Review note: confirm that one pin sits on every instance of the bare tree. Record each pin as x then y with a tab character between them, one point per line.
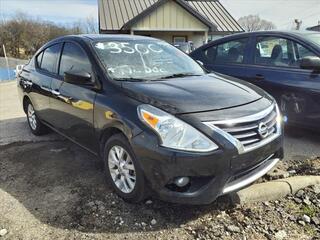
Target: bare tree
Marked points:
252	23
23	35
1	51
89	25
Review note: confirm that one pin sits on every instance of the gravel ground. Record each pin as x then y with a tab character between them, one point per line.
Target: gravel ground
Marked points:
56	190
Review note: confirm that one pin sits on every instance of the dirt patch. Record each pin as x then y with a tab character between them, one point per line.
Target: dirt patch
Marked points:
294	168
55	190
306	167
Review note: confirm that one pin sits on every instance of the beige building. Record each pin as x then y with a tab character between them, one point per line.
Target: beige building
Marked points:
171	20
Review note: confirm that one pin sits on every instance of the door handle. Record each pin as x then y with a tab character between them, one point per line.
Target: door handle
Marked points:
55	92
259	77
46	88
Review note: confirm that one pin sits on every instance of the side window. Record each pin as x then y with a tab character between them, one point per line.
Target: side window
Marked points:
274	51
75	59
229	52
302	52
50	57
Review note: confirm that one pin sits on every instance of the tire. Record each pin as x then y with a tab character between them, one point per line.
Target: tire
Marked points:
35	125
121	174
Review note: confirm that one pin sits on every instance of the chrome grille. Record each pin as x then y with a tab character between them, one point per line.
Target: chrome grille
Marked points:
251	131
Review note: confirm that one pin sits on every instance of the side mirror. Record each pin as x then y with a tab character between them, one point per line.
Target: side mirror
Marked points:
78	77
312	63
19	69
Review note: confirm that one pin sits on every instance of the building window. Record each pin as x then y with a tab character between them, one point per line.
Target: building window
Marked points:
180	39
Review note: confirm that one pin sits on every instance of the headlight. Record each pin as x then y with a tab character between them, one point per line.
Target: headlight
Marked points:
279	118
173	132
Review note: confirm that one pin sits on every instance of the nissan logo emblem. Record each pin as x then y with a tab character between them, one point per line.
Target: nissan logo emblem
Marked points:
263	130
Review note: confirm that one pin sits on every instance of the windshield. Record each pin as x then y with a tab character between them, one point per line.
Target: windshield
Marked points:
144	60
315	37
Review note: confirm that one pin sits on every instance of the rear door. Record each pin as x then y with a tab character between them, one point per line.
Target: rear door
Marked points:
276	68
228	57
45	70
73	104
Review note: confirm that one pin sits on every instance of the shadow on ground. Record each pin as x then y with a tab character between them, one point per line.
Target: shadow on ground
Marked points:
301	144
64	186
302	133
17	130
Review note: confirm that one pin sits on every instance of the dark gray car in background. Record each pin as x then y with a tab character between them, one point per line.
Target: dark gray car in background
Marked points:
286	64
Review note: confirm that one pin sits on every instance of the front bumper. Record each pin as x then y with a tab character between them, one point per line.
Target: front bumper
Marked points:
251	175
212	174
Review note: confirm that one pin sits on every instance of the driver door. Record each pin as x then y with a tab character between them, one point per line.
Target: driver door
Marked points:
276	69
73	104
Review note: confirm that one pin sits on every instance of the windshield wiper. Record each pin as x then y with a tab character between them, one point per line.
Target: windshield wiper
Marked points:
129	79
178	75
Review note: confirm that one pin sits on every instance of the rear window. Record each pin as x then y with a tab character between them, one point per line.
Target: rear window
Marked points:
49	58
227	52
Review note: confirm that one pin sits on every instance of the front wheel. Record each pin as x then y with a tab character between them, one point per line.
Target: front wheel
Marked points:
123	171
36	127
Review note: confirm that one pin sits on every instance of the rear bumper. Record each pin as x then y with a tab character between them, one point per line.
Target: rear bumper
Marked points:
212	174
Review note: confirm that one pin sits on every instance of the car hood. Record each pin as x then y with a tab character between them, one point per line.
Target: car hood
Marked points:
194	94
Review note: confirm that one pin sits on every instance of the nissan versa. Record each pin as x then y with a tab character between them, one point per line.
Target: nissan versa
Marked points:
161	124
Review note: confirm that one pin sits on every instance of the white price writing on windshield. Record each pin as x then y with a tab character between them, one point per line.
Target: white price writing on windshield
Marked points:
119	47
126	69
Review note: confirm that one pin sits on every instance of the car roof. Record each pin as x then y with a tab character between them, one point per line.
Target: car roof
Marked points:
87	38
292	33
104	37
284	32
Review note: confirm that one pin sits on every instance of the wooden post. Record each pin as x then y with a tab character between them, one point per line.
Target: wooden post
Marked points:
206	37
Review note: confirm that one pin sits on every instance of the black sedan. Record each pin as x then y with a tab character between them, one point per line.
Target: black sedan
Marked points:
285	64
157	120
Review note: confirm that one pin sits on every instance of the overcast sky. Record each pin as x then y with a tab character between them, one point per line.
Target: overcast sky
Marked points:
59	11
280	12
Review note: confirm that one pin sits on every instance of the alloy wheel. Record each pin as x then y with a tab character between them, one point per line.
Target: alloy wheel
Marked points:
122	169
32	117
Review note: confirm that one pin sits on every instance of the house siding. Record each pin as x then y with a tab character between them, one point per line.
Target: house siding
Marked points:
115	14
198	38
170	17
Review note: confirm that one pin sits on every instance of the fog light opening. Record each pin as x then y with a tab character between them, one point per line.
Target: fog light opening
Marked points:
182	181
